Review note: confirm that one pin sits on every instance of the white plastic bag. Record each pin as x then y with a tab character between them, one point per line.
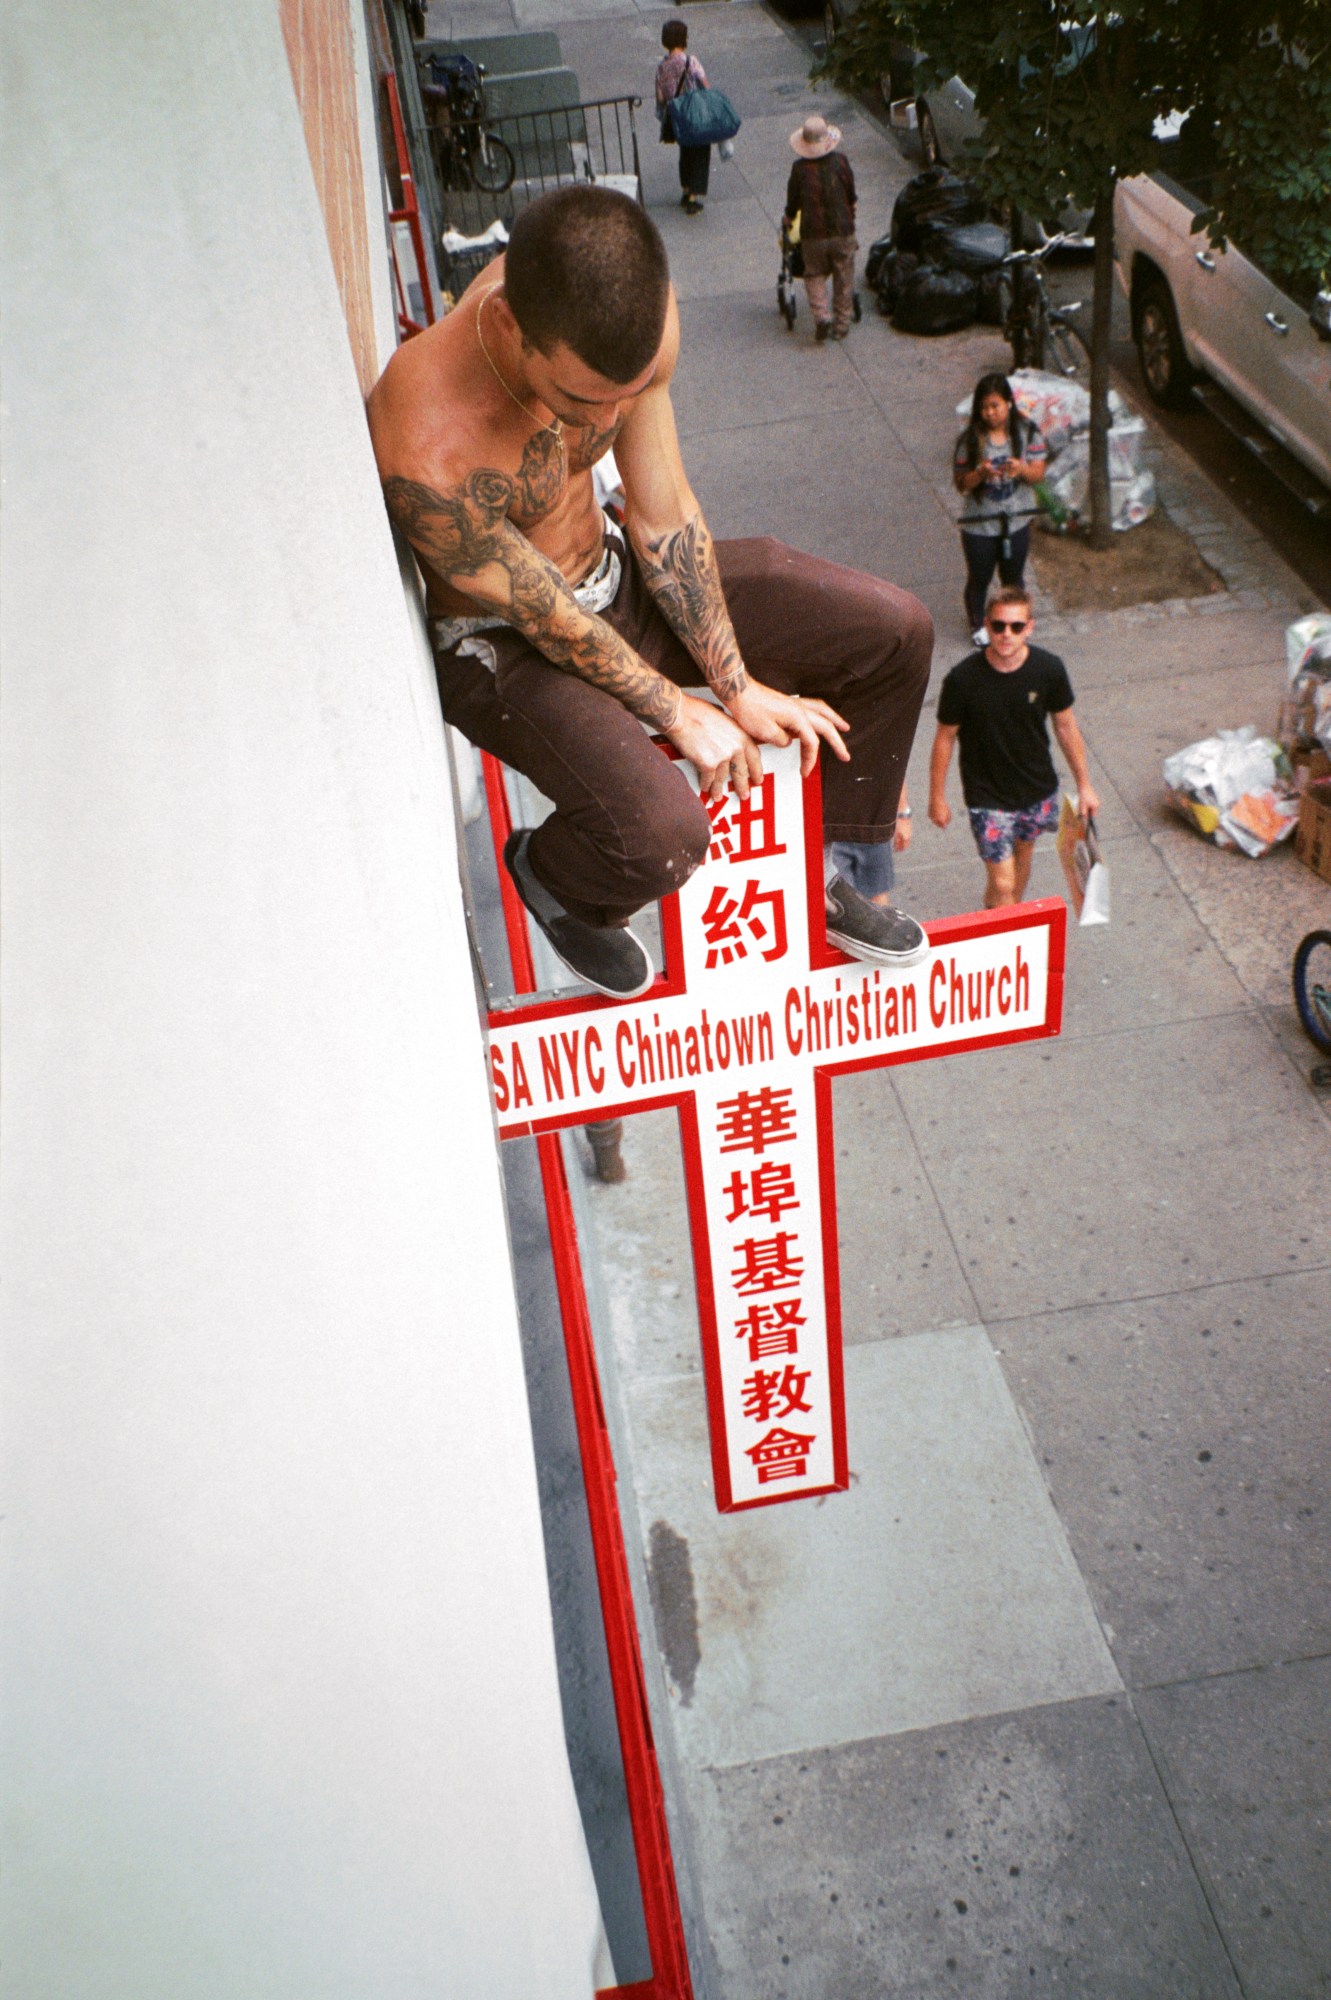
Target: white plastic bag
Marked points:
1133	500
1083	865
1236	788
1308	643
1305	713
456	245
1131	494
1225	765
1127	434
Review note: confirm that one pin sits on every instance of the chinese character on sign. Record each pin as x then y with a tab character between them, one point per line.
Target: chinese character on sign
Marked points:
725	921
780	1455
756	1118
755	1014
768	1190
771	1327
769	1392
744	829
770	1263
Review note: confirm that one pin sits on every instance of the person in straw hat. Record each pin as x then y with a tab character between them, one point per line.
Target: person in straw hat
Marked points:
821	194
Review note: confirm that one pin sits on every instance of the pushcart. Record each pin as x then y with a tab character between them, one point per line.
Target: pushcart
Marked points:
792	267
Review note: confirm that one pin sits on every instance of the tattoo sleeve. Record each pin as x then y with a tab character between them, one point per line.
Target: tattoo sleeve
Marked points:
466	538
680	571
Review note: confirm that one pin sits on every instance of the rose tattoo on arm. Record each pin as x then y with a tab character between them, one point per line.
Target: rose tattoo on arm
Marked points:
466	537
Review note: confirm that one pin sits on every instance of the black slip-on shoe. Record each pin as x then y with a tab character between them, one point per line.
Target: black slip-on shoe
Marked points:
869	932
822	329
612	960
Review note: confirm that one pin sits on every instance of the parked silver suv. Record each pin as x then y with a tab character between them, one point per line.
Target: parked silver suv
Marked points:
1203	317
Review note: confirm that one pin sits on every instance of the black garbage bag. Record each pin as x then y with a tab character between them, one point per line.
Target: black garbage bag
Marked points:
873	263
893	272
995	297
936	195
934	301
975	247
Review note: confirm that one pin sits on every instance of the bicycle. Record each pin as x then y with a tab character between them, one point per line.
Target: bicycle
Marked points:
468	154
1311	979
1042	335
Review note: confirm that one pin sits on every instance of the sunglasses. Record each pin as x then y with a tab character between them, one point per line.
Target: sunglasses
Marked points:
1007	625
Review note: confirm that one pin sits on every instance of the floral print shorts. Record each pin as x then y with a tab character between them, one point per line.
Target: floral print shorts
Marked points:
996	832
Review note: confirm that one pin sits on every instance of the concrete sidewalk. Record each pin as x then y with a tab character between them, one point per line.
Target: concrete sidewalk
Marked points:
1041	1705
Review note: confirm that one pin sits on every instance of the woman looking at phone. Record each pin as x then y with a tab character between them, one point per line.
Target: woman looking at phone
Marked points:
998	461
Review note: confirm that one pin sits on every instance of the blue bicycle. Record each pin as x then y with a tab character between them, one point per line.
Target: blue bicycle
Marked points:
1312	995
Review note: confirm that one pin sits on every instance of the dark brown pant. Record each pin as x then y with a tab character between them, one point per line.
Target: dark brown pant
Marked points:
626	828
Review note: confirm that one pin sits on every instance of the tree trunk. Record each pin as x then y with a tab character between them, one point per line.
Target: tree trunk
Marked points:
1102	301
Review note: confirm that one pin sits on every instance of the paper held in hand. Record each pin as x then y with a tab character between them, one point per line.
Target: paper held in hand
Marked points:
1087	876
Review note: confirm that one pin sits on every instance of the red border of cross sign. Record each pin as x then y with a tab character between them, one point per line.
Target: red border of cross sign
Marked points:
743	1035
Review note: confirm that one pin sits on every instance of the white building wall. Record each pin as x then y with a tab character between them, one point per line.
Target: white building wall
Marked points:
281	1706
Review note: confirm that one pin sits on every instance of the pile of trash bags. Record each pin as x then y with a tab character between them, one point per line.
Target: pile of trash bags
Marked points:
1062	412
940	267
1237	788
1244	790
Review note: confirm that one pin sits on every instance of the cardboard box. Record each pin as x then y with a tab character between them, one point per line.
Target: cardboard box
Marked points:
1312	836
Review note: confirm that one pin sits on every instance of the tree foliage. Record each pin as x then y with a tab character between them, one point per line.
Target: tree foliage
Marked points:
1072	100
1271	113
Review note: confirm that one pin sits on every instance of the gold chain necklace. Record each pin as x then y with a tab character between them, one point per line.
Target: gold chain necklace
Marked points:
556	428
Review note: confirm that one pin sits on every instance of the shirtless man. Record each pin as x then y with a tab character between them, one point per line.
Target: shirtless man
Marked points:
555	640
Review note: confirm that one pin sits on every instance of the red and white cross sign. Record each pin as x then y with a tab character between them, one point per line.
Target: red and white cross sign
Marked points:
754	1017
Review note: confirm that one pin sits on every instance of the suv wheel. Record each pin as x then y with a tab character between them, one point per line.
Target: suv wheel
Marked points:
1166	369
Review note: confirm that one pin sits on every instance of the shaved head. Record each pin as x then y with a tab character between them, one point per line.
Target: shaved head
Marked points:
587	267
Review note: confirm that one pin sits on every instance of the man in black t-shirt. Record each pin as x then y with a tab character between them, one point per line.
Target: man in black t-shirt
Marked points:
997	702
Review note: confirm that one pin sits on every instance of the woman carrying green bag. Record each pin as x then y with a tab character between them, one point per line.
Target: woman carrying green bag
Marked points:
676	74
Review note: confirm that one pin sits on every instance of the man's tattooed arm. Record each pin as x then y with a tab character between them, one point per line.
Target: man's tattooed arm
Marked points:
680	570
467	540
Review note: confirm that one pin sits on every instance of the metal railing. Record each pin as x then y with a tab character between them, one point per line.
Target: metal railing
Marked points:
596	141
